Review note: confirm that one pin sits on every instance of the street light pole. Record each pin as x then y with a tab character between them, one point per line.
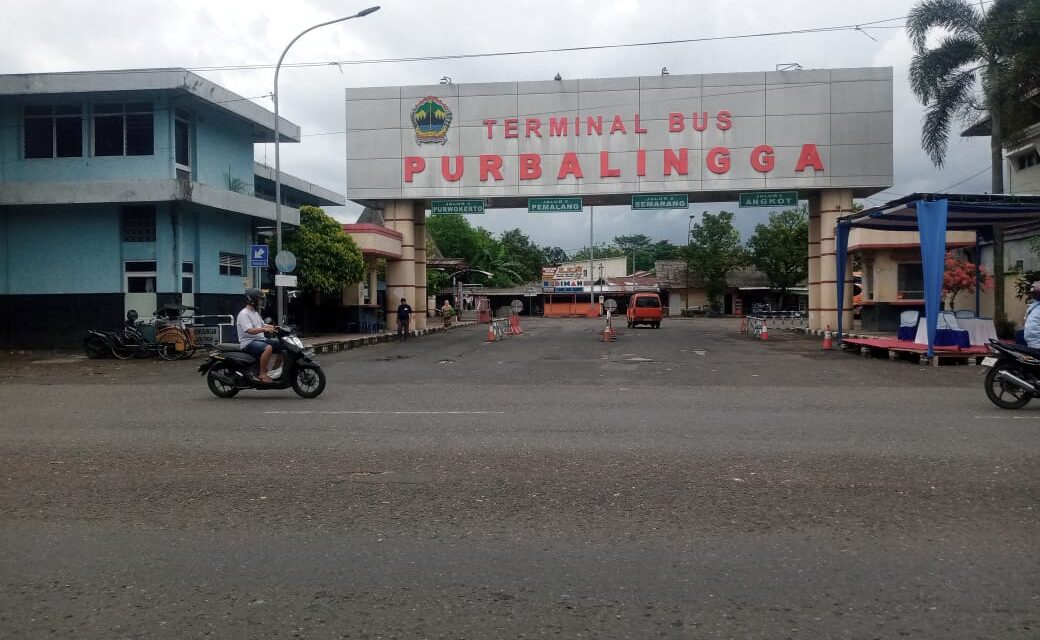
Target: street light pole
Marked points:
689	233
277	135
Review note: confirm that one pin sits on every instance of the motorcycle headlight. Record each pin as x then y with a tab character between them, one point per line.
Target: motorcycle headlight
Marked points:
294	341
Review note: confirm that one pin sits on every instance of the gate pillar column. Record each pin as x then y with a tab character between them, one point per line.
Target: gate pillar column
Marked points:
420	303
399	215
830	205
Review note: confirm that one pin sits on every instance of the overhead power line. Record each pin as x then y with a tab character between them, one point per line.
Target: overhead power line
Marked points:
876	24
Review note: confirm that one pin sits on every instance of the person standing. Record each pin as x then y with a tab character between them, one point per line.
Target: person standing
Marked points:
447	313
404	318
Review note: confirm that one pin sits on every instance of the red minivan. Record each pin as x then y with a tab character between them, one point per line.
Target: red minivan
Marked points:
645	308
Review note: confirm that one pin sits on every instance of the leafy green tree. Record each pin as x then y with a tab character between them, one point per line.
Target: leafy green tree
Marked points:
664	250
639	249
327	258
524	252
603	251
713	252
963	76
456	238
553	255
780	249
504	269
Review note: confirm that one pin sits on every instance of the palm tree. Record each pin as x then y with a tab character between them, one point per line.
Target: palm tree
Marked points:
958	80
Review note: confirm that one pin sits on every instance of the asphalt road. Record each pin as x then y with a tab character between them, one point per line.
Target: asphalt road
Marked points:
685	482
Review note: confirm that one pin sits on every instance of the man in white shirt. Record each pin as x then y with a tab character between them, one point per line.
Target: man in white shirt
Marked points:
1031	325
251	330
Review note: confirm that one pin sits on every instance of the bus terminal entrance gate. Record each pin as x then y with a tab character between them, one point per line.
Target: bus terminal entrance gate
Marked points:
562	145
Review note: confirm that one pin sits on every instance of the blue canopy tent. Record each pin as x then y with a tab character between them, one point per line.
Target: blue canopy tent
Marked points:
932	215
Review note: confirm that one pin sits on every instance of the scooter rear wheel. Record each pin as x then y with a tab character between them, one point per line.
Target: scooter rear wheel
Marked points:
217	386
96	347
1004	394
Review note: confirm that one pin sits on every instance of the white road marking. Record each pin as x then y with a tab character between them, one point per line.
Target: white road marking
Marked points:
1007	417
395	413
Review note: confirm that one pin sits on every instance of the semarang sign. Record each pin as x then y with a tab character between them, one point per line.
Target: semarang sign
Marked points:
613	137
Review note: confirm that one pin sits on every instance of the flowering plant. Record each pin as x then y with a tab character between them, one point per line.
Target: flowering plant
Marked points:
959	275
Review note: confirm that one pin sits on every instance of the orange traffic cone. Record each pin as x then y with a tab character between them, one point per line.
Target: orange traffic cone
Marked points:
765	331
606	333
827	340
491	332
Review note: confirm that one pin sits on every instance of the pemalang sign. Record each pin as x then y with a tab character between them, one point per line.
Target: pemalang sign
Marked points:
614	137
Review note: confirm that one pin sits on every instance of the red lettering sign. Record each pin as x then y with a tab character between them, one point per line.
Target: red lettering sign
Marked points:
810	157
641	162
618	125
490	165
680	163
699	125
570	166
511	127
449	175
489	124
718	160
724	120
604	166
557	127
676	122
412	166
638	128
534	125
530	166
762	159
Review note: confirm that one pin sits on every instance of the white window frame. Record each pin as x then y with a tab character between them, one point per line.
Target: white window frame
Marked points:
227	261
127	275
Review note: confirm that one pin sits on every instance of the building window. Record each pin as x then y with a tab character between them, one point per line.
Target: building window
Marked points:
124	129
139	276
231	264
187	277
910	280
182	144
53	131
1029	159
138	224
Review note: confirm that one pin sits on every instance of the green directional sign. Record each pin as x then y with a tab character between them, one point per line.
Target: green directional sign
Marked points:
660	201
457	206
553	205
769	199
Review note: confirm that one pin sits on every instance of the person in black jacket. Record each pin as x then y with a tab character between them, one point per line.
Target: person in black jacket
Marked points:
404	318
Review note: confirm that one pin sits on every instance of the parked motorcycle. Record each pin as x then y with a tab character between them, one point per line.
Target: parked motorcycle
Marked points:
1014	374
230	371
98	344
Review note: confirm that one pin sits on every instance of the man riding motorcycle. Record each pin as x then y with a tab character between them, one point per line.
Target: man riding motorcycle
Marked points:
251	330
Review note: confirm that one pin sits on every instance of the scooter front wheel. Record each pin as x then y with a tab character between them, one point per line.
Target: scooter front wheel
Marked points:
309	381
1005	394
221	388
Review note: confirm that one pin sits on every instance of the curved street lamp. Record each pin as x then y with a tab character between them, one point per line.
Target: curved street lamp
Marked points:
277	135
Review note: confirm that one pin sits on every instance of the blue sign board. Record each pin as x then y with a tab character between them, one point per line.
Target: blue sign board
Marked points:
258	255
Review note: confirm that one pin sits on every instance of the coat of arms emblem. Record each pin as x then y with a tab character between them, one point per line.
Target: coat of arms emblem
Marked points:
431	118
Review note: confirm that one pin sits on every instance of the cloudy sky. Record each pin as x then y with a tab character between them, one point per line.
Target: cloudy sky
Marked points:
67	35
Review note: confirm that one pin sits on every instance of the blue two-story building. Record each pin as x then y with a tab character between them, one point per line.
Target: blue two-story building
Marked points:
129	190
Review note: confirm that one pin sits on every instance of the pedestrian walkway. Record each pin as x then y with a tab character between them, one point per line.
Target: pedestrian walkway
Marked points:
330	343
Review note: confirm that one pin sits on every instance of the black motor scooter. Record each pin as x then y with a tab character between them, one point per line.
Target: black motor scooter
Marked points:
1014	375
228	371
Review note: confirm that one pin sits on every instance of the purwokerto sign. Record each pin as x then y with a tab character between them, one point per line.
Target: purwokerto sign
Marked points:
798	130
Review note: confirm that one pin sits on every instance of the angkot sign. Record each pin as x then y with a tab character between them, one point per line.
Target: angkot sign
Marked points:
718	132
